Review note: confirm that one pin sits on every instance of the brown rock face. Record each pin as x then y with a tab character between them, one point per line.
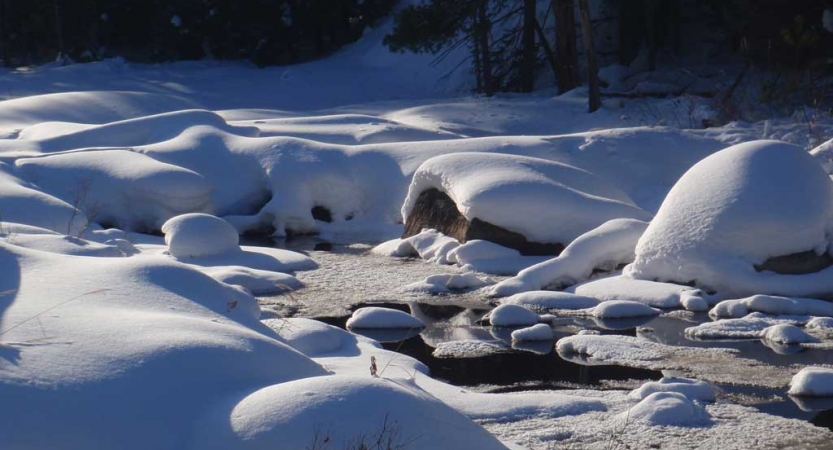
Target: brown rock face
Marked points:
797	263
434	209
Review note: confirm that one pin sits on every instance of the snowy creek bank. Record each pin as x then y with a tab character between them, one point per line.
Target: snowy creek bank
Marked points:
460	348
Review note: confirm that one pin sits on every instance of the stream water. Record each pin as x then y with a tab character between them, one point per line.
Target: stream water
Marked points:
349	278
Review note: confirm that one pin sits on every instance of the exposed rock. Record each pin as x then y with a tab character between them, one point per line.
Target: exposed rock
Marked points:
797	263
434	209
321	214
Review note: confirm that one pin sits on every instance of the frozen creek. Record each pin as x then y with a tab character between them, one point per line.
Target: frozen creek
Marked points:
350	277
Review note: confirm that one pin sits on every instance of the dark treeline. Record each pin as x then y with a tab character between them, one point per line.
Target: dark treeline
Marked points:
264	31
509	38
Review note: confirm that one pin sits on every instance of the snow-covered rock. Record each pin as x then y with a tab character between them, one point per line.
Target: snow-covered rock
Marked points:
748	327
619	309
195	235
512	316
258	282
692	389
477	250
786	334
445	283
667	409
651	293
544	201
820	323
550	300
736	209
812	382
539	332
606	247
376	317
773	305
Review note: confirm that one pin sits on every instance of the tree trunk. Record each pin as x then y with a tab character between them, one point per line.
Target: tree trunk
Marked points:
483	26
590	53
547	49
565	45
527	74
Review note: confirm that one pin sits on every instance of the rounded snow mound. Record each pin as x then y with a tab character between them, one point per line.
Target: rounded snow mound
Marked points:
786	334
812	382
380	318
195	235
540	332
512	316
667	409
542	200
619	309
736	209
340	412
549	300
691	389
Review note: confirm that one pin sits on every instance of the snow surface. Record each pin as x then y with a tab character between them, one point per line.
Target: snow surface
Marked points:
542	200
772	305
618	309
651	293
445	283
512	316
257	282
667	409
550	300
786	334
692	389
735	209
376	317
539	332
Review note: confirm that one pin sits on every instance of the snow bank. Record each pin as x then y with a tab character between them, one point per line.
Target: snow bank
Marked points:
667	409
24	203
550	300
342	411
64	245
619	309
376	317
651	293
692	389
478	250
773	305
736	209
122	187
195	235
812	382
748	327
539	332
544	201
605	247
603	347
512	316
310	337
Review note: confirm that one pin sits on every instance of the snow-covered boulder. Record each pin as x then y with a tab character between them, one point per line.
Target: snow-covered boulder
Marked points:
620	309
529	200
651	293
812	382
539	332
786	334
195	235
773	305
378	318
512	316
444	283
693	389
667	409
734	211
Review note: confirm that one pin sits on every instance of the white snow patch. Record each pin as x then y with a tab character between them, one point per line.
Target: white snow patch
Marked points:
195	235
667	409
512	316
773	305
550	300
694	390
651	293
539	332
786	334
617	309
812	382
376	317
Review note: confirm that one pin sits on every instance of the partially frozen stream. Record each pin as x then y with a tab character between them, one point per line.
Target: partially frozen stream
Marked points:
349	277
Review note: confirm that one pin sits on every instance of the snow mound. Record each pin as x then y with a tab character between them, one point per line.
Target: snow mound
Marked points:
773	305
619	309
736	209
604	347
195	235
820	323
123	187
310	337
550	300
467	349
512	316
812	382
786	334
539	332
24	203
748	327
692	389
445	283
651	293
257	282
64	245
342	411
605	247
478	250
542	200
378	318
257	258
667	409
